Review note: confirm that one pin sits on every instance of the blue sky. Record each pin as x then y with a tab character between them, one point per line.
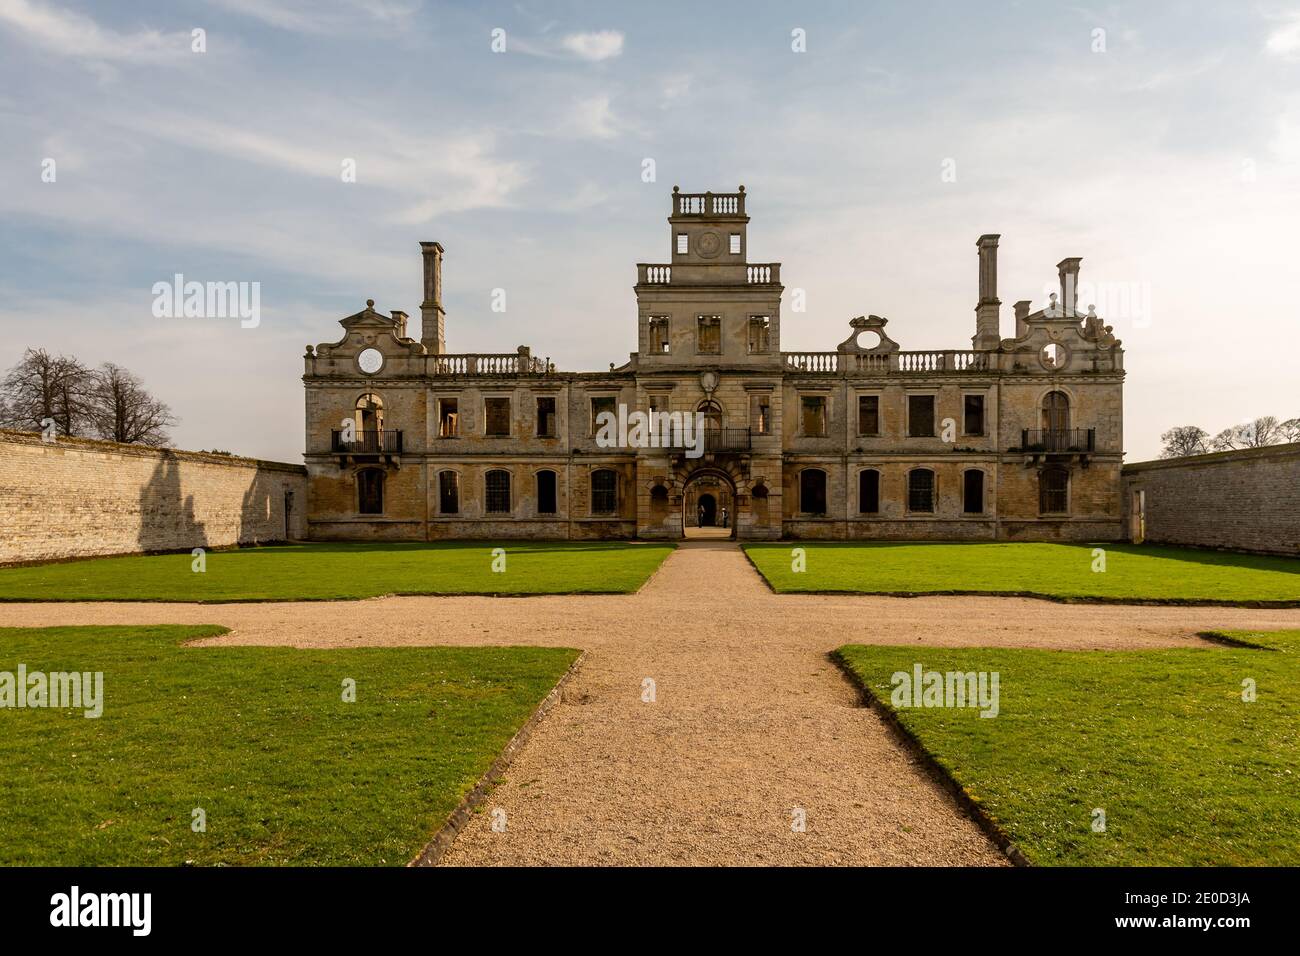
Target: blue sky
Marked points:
1169	161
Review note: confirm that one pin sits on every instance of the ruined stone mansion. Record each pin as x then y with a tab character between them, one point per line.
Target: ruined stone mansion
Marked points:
1015	438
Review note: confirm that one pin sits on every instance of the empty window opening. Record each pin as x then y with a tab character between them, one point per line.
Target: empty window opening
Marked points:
869	491
920	416
546	417
546	497
448	493
497	416
812	491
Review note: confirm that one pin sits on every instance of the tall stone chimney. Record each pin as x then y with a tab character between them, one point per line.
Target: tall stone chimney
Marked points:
431	313
1022	313
987	311
1068	270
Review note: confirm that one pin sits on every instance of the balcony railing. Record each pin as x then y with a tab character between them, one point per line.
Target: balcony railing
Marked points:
881	363
387	442
504	363
755	273
722	440
709	204
1077	440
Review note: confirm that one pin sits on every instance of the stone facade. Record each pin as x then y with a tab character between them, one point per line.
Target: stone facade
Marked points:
1239	500
76	497
1015	438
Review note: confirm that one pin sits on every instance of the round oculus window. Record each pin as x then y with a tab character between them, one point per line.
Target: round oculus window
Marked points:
370	361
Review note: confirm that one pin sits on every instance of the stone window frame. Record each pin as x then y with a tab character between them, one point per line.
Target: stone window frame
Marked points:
984	491
591	409
537	490
555	416
1072	405
765	337
735	244
591	500
878	395
487	492
683	243
981	393
700	318
1066	492
879	485
826	492
459	483
509	399
383	482
438	400
934	491
825	398
659	319
933	394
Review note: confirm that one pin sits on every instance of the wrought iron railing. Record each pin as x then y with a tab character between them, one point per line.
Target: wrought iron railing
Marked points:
1058	439
386	442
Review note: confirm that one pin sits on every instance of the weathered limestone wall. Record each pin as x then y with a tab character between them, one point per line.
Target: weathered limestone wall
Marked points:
76	497
1245	500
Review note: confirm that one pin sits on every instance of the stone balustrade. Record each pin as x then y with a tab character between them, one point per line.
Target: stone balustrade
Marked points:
882	363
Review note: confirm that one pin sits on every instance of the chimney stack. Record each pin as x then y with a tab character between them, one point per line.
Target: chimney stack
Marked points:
431	313
988	310
400	318
1068	270
1022	313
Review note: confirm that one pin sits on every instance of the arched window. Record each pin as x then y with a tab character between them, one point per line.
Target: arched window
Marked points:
1056	412
448	493
604	492
370	491
972	491
369	422
712	414
920	490
547	500
1054	491
869	491
498	492
812	491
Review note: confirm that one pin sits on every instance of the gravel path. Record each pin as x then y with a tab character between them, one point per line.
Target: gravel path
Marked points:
750	720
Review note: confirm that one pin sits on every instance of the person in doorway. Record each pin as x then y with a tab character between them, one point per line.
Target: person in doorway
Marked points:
724	518
700	523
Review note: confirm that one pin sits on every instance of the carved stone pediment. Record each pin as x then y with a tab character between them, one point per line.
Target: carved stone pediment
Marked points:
874	324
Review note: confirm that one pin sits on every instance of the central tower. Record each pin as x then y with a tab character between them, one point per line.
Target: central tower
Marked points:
709	305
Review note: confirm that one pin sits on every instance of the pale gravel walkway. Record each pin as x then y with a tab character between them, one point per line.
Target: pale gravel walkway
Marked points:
751	719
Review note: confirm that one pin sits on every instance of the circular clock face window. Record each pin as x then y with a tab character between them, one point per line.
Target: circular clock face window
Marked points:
1053	356
708	245
370	361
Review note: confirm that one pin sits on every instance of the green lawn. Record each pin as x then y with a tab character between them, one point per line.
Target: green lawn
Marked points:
340	571
257	737
1132	573
1187	773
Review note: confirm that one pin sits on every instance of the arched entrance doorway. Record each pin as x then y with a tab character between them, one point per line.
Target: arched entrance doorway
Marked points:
709	506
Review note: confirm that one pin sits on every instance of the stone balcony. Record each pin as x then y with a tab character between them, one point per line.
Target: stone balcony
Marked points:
709	205
519	362
750	273
885	363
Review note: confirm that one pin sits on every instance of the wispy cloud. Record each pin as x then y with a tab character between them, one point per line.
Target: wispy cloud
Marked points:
600	45
591	46
326	16
75	35
1284	40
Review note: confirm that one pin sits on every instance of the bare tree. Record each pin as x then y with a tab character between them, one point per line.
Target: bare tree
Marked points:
1263	431
1183	440
1290	429
123	411
44	387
